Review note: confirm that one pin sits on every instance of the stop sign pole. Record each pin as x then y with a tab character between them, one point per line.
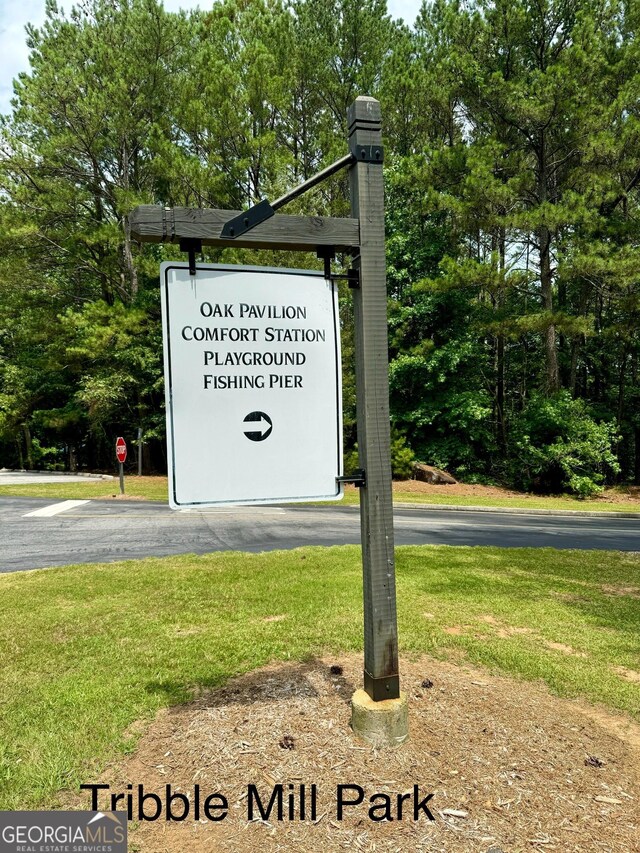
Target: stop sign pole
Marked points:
121	455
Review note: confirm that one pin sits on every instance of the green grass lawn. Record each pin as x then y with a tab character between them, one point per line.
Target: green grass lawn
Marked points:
147	488
155	489
87	650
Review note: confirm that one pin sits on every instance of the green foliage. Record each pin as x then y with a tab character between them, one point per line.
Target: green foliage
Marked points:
46	458
113	352
433	378
512	143
351	461
557	445
402	457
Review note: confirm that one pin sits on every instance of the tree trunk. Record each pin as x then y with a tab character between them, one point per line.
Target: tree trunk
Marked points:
130	267
636	431
552	382
28	447
622	449
573	376
579	341
546	287
501	424
128	259
621	387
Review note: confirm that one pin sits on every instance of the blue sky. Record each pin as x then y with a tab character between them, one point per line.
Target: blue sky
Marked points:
15	15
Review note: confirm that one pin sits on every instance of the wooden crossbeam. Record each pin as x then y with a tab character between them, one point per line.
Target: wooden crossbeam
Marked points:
153	224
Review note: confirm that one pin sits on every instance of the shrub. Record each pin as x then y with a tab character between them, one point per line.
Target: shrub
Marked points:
557	445
402	457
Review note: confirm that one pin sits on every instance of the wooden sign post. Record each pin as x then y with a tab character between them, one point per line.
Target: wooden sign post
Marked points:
379	713
381	679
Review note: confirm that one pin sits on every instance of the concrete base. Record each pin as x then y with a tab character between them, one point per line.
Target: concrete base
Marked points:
384	723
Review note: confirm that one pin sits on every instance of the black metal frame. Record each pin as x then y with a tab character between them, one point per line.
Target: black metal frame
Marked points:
358	478
191	246
248	219
385	687
368	153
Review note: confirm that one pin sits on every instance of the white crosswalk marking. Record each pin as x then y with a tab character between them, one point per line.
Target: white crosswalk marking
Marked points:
54	509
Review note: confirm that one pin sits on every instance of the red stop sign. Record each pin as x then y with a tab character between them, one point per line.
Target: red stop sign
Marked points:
121	449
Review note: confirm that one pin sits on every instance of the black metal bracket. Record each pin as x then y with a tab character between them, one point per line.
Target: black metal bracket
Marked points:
385	687
368	153
352	276
191	246
247	220
328	253
358	478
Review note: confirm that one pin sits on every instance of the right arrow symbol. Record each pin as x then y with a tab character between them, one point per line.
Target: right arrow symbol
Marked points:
261	426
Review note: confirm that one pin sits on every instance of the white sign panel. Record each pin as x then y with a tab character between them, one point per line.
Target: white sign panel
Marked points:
253	385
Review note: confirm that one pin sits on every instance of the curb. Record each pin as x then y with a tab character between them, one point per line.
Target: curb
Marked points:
56	473
522	511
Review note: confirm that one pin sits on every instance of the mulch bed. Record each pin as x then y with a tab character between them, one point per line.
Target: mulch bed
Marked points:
628	495
511	767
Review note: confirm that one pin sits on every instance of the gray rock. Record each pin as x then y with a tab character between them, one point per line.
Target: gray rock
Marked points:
429	474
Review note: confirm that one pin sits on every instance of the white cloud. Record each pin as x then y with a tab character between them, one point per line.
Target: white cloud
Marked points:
14	54
405	9
176	5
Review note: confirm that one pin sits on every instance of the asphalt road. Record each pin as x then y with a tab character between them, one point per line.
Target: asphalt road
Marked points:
100	531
